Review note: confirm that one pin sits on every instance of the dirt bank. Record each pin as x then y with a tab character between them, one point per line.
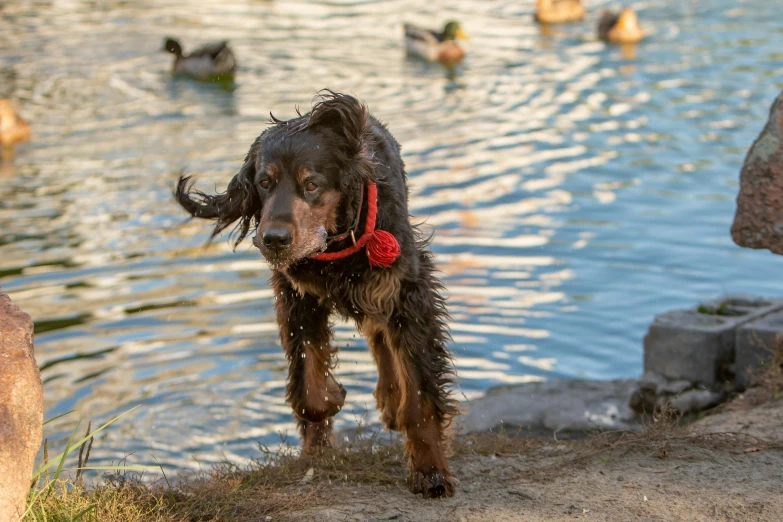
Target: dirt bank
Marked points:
724	467
727	466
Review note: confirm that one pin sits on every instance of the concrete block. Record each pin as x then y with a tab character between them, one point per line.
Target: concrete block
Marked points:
755	346
698	344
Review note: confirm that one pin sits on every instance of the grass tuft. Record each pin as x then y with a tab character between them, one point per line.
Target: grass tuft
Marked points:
268	486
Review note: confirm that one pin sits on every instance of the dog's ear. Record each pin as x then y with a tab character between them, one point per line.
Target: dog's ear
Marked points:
345	116
240	201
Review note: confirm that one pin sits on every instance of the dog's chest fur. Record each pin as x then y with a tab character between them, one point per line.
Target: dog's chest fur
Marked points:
356	293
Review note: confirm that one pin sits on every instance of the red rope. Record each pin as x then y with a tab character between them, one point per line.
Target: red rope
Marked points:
369	229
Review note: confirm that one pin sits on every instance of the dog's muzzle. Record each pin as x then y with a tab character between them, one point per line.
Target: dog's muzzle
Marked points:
278	247
277	238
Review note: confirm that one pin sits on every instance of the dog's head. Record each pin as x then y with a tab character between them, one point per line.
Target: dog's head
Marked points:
300	181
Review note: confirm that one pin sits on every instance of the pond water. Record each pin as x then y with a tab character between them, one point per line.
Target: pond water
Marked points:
575	191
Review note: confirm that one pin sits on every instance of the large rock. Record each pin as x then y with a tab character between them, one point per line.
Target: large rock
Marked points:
568	406
758	222
21	409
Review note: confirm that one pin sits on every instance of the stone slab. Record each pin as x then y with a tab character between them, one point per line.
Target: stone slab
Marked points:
562	406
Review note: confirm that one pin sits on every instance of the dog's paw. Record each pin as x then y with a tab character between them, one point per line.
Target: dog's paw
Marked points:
435	484
317	436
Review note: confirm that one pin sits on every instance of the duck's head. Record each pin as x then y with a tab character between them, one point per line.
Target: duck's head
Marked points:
627	21
172	46
453	31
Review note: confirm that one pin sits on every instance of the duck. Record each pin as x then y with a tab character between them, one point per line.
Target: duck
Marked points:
620	28
559	11
13	129
436	46
212	62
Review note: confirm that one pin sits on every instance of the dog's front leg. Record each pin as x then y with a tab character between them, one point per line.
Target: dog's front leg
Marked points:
312	390
387	391
417	334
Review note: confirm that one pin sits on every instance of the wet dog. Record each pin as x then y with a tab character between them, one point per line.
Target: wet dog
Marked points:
326	195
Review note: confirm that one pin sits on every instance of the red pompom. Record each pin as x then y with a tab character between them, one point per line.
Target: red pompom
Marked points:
382	249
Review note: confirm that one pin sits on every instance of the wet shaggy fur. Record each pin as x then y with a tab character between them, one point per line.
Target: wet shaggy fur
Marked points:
337	148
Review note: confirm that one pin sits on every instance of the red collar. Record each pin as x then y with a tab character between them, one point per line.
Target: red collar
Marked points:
382	247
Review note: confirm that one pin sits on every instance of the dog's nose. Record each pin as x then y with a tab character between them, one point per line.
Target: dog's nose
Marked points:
277	237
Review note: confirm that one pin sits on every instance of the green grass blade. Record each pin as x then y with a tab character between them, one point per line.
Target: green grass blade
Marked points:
34	497
121	468
58	416
73	447
161	470
59	470
83	512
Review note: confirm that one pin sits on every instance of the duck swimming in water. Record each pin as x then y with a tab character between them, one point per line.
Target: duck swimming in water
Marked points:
620	28
13	129
435	46
559	11
212	62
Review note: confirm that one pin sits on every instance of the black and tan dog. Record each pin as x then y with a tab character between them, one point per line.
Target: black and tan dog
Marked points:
326	193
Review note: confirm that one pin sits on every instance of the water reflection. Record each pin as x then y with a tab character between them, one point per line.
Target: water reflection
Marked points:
574	193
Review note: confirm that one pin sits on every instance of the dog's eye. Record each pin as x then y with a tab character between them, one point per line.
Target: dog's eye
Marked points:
310	187
264	184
